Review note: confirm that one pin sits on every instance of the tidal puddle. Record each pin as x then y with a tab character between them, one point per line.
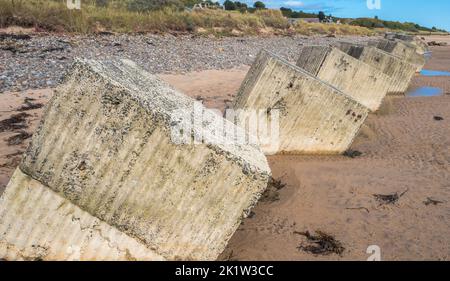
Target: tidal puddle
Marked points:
432	73
426	92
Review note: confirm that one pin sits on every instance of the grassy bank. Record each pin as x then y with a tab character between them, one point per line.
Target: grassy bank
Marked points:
408	27
54	16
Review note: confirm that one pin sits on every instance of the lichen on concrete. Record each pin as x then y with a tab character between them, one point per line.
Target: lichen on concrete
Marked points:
362	82
402	49
400	71
317	118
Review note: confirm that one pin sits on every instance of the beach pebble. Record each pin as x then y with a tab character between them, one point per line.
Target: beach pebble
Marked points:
43	59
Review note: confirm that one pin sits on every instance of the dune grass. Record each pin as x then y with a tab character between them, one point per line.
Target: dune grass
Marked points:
307	28
54	16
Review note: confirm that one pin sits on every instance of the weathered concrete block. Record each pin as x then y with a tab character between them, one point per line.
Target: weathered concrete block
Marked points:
38	224
315	117
105	145
400	36
359	80
401	49
400	71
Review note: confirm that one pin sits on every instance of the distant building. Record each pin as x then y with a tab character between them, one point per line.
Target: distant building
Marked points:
207	5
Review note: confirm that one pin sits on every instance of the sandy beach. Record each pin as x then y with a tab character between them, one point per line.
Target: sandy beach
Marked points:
405	151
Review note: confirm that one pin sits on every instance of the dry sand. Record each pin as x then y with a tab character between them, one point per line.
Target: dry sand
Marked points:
216	88
404	149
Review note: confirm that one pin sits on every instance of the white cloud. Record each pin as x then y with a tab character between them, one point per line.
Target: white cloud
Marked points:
294	3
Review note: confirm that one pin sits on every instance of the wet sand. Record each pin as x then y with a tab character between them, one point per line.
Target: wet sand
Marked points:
404	149
440	61
14	104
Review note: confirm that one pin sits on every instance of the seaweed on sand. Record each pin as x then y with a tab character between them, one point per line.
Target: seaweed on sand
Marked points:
390	198
272	192
321	244
15	122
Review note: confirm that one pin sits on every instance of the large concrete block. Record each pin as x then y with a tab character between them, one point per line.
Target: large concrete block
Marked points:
314	117
106	146
421	45
400	36
38	224
400	71
401	49
359	80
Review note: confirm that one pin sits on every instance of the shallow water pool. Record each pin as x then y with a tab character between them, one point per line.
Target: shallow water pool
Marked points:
427	72
426	92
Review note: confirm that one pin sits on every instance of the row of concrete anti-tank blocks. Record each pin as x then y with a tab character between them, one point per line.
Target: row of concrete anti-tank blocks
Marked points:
102	180
331	90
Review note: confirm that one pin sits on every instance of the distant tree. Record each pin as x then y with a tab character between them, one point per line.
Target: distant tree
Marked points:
321	16
286	12
378	23
376	17
242	7
229	5
259	5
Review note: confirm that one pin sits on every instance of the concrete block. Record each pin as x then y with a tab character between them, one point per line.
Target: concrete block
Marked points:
315	117
401	49
399	36
105	144
359	80
421	45
400	71
38	224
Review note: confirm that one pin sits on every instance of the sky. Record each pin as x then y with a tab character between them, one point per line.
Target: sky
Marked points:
427	13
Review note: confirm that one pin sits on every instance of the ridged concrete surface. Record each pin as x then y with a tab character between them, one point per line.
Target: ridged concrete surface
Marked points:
315	118
402	49
400	71
38	224
421	45
359	80
105	145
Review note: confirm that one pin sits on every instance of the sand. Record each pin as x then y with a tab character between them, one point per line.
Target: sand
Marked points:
440	62
13	104
404	149
17	30
216	88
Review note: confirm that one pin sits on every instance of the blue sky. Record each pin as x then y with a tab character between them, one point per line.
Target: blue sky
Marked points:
428	13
